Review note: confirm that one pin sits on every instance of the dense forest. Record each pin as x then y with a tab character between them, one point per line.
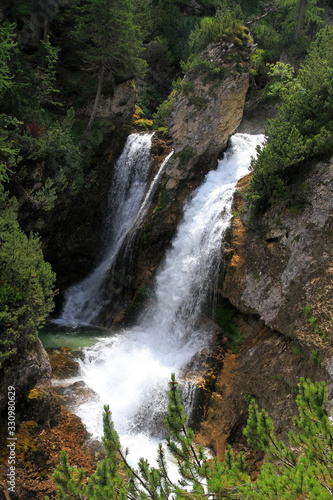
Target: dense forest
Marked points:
56	58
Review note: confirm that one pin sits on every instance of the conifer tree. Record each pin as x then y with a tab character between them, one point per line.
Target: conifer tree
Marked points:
301	470
303	129
7	44
110	40
26	292
302	13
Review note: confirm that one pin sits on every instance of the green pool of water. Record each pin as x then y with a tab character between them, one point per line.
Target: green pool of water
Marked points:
56	336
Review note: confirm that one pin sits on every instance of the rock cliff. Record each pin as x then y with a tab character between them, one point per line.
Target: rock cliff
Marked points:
209	108
30	376
278	274
281	269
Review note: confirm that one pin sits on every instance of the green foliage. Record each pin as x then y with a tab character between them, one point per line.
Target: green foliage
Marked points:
307	311
68	479
301	13
46	75
110	37
226	24
304	127
55	147
298	350
268	38
9	154
7	43
163	198
302	469
197	63
28	133
281	27
172	26
315	358
111	41
149	98
26	283
214	29
164	109
185	154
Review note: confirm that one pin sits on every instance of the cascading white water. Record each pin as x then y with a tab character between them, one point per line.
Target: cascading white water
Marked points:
84	300
130	370
155	182
144	207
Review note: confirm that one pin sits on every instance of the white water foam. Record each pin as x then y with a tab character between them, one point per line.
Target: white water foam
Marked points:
154	184
130	371
84	300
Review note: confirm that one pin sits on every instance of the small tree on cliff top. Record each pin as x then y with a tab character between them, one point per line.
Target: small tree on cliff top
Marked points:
302	470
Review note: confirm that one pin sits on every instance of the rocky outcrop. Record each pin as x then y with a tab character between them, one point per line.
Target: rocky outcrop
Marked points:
43	427
278	273
281	269
120	106
267	368
209	108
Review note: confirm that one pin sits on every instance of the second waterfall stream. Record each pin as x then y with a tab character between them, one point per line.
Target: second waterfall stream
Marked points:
130	369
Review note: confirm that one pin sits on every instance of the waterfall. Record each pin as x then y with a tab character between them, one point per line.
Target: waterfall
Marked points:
84	301
130	369
143	210
155	182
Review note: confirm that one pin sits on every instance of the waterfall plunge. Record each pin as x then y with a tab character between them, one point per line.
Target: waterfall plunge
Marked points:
84	301
130	370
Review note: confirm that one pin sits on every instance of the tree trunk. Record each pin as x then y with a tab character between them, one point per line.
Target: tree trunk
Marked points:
300	17
93	112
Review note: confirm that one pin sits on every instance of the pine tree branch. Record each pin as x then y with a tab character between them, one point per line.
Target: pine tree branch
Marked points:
272	9
143	484
173	388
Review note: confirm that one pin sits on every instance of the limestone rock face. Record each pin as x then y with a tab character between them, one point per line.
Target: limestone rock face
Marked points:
209	107
266	368
278	274
282	269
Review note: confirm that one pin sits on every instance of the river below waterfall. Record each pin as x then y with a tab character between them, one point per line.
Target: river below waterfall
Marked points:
130	369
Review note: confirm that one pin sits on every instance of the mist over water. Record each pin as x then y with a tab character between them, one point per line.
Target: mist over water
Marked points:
130	370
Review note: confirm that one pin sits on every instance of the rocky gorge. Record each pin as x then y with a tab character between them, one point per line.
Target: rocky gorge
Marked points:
277	274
